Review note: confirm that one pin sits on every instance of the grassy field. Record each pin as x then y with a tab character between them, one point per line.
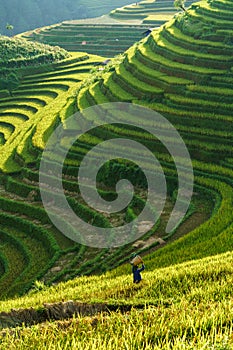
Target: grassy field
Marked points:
183	70
185	306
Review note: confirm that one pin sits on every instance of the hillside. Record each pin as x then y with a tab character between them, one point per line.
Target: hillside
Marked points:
153	12
104	39
187	306
107	35
26	15
62	293
43	96
183	70
18	52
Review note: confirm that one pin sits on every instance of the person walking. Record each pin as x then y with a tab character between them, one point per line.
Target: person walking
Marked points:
137	273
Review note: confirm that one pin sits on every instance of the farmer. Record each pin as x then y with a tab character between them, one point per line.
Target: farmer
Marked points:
136	273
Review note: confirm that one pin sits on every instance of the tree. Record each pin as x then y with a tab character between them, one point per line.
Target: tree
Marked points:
9	81
9	27
180	4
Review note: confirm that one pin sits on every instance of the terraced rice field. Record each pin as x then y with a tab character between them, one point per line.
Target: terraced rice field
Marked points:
128	26
184	71
103	39
46	97
153	12
38	94
43	99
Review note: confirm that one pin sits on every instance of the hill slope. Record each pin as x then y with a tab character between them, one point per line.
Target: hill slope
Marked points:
17	52
44	97
104	39
185	306
29	15
153	12
106	35
184	71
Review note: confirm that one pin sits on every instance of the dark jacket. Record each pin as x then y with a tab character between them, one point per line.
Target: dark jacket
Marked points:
136	273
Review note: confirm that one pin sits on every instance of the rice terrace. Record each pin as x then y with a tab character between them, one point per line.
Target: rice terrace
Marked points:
112	72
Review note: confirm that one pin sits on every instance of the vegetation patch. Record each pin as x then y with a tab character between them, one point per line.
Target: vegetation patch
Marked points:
183	71
17	52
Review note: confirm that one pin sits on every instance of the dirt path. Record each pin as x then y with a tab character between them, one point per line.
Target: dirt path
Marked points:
56	312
